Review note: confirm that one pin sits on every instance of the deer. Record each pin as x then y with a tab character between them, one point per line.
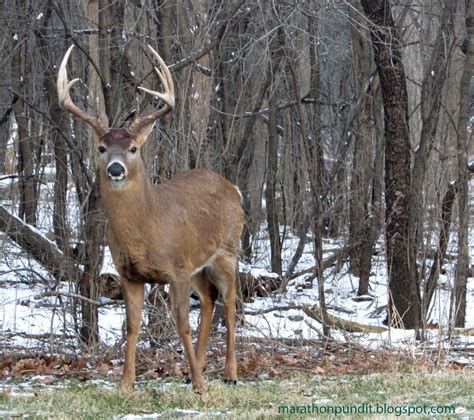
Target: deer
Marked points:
184	232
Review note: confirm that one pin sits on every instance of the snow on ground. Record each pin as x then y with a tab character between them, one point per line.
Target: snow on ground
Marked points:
30	319
27	318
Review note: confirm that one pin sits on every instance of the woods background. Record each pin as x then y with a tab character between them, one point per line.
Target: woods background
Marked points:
336	119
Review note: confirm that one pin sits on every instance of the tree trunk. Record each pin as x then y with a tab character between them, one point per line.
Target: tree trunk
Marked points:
362	163
160	169
104	57
167	11
270	190
373	222
4	133
58	122
272	209
27	210
93	231
443	240
5	107
404	306
462	267
314	154
431	93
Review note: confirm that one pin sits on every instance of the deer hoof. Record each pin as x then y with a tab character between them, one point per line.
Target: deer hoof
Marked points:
125	385
201	389
204	397
230	381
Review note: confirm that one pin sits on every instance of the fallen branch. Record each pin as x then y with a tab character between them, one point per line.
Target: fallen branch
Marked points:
328	262
340	323
272	309
38	247
464	331
340	309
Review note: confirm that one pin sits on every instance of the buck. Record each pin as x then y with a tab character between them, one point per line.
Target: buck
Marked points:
184	232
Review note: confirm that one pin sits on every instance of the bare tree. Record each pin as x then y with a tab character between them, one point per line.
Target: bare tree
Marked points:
27	185
403	291
362	234
463	140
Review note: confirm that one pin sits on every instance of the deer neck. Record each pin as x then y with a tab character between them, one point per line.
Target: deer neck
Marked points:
127	209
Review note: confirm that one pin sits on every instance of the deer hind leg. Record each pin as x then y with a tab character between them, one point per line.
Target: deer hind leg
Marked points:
223	276
179	293
134	296
207	295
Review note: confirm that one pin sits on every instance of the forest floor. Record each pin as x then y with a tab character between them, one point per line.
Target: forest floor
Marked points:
275	380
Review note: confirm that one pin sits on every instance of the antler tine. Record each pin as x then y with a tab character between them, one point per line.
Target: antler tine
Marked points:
165	76
65	101
168	96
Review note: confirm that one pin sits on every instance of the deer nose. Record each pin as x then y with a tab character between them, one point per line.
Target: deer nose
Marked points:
116	171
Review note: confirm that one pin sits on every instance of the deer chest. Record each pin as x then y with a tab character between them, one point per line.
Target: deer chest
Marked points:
137	272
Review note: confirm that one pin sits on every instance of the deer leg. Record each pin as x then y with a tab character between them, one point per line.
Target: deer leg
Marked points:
134	296
225	269
179	293
207	295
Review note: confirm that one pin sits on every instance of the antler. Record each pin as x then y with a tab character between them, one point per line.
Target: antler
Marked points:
65	101
167	96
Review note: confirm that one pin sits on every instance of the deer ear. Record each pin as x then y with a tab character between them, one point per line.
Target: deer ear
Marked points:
142	133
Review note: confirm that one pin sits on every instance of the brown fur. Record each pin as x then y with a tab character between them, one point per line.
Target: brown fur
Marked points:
117	137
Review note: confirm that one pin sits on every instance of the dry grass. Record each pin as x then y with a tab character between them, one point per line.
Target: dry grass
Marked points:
274	380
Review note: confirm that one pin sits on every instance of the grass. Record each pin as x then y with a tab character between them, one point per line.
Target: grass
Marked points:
249	399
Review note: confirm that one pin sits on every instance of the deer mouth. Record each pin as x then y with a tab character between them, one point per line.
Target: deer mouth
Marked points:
118	185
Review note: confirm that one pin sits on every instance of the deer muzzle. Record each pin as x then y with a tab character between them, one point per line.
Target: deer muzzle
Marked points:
116	171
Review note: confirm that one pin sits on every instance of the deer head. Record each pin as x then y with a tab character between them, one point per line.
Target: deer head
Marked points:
118	149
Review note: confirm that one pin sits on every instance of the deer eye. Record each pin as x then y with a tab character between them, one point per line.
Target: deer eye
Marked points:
133	150
102	149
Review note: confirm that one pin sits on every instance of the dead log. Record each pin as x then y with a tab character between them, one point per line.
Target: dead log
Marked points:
340	323
464	331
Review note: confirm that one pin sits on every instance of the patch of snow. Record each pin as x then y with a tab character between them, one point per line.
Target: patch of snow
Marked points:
108	266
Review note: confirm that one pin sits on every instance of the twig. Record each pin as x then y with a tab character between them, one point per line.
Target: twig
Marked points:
51	293
45	336
281	341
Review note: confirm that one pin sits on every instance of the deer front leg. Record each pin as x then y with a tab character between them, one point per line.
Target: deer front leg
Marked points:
134	297
179	293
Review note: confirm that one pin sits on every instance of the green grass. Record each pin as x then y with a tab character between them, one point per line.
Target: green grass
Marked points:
249	399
